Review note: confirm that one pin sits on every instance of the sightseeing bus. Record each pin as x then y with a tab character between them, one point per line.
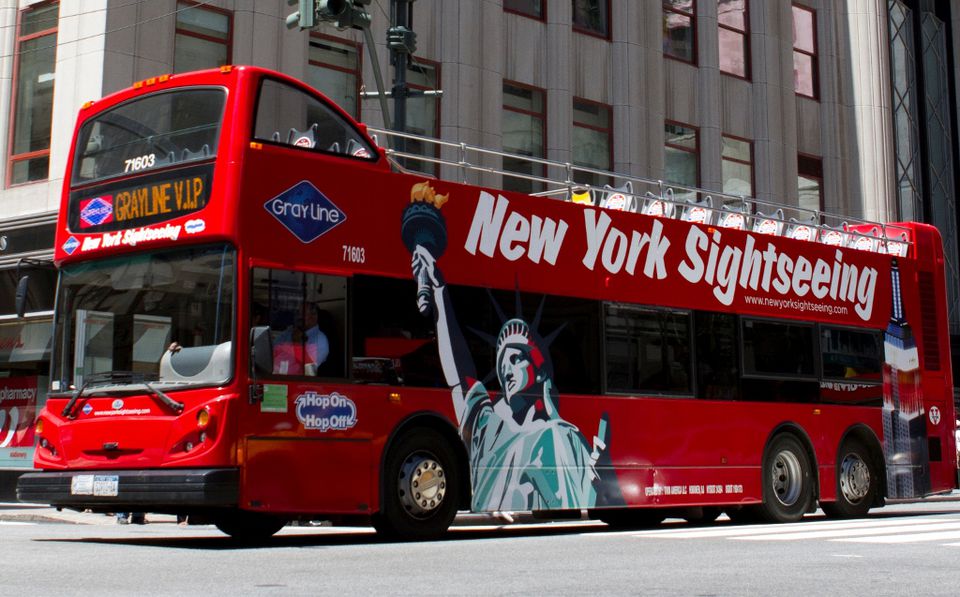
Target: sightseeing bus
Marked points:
263	317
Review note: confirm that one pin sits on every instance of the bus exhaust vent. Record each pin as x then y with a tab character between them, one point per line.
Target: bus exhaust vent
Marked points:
930	325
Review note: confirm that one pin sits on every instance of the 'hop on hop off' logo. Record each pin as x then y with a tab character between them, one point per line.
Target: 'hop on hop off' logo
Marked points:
326	412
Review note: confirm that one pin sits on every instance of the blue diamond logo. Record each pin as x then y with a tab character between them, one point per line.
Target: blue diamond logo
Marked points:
305	211
71	245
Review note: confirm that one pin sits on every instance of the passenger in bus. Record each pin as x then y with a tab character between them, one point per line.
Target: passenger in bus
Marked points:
303	347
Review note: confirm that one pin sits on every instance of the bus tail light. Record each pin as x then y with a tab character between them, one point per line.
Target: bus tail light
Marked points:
203	418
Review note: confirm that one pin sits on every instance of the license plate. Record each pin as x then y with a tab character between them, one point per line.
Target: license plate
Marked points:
106	485
81	485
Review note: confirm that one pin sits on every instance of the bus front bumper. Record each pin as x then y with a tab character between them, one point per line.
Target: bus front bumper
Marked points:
120	490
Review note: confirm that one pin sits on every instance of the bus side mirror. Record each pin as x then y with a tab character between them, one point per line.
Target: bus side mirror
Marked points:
261	350
21	296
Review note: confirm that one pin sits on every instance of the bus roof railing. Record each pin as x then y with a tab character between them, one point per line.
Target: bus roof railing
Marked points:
563	181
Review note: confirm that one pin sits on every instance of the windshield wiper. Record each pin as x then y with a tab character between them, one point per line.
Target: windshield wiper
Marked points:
118	377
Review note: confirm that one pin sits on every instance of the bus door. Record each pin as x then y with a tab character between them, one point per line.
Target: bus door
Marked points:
303	448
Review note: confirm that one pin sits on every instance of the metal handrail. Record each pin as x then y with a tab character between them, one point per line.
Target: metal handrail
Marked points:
471	159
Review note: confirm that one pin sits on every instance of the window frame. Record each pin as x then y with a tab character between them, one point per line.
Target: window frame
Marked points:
358	73
608	131
745	33
530	15
818	176
12	158
694	50
195	5
751	164
695	152
814	56
542	115
606	35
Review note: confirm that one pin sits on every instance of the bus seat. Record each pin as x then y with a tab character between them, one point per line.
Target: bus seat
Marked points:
802	230
356	149
307	138
732	217
187	154
700	212
896	245
334	147
868	240
768	223
834	236
581	195
657	207
619	198
275	137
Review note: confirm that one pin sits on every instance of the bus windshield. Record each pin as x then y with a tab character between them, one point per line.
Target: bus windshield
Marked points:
150	132
121	315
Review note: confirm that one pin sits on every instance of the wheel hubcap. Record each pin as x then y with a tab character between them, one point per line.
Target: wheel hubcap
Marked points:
422	484
854	478
787	478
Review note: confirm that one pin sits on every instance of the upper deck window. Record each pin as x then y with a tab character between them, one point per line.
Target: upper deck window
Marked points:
148	133
291	116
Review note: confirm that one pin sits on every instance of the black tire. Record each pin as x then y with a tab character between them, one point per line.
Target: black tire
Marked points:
858	482
249	527
787	480
629	518
411	508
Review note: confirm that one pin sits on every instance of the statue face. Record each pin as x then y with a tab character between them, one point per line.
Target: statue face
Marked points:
516	371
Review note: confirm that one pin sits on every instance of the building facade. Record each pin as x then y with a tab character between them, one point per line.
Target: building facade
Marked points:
848	107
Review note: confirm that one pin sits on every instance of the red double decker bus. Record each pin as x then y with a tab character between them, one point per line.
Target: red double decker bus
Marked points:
261	318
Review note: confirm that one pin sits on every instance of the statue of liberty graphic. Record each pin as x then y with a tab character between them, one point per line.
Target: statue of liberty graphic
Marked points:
523	454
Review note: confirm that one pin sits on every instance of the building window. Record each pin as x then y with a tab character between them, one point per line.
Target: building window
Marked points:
334	70
592	16
592	140
529	8
423	113
810	182
737	166
681	157
203	37
734	33
524	133
680	30
33	93
805	79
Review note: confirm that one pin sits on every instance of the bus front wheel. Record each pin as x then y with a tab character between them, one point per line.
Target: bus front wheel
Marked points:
857	483
420	482
787	480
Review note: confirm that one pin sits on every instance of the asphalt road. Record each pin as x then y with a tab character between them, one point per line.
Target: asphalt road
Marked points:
910	549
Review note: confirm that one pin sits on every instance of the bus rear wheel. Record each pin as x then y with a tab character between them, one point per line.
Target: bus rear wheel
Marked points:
787	480
248	527
420	483
857	483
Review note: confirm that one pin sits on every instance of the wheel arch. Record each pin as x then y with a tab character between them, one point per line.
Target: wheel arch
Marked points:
866	436
794	429
429	420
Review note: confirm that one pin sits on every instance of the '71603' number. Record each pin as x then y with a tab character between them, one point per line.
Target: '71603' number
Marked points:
354	254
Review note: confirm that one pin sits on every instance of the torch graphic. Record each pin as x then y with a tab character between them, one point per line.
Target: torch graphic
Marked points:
423	225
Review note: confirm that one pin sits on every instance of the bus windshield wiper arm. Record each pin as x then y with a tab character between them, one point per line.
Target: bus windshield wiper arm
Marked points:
119	377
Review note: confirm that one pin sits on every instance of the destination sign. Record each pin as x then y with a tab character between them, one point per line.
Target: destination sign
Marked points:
140	202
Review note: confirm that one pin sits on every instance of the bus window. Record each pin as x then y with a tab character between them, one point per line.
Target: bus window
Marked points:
648	350
778	362
852	363
290	116
718	362
307	317
150	132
